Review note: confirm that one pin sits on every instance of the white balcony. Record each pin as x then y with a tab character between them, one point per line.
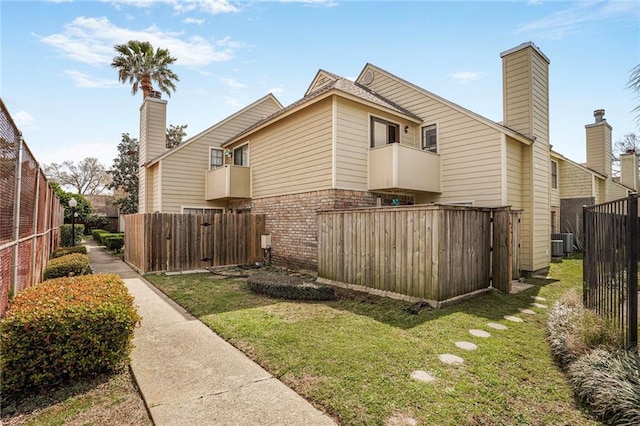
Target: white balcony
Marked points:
228	182
401	168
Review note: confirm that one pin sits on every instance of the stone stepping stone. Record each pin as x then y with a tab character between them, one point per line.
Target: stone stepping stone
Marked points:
512	318
538	298
450	359
480	333
539	305
422	376
497	326
527	311
400	420
467	346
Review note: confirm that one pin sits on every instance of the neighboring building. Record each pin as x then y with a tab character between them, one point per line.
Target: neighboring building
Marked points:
104	207
377	141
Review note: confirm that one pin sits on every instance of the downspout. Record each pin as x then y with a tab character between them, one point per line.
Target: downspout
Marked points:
16	220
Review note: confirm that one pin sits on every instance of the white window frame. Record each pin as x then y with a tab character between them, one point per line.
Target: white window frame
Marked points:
422	140
248	154
203	208
211	149
373	118
554	185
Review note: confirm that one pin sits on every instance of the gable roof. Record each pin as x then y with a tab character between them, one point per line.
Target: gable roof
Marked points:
338	86
497	126
578	165
173	150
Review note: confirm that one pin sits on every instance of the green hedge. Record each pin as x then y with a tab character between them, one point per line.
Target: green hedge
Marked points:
113	241
63	329
289	287
97	235
66	266
66	235
63	251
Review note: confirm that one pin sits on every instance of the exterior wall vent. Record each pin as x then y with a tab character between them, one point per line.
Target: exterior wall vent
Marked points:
367	78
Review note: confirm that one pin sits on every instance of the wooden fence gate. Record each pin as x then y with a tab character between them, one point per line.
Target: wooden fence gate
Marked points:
434	252
176	242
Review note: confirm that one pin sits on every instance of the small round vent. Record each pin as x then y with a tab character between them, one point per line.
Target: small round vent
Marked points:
367	78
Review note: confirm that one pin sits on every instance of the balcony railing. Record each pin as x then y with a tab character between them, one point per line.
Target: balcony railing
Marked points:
228	182
397	167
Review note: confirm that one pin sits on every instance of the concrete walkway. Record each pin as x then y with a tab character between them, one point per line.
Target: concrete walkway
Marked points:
188	375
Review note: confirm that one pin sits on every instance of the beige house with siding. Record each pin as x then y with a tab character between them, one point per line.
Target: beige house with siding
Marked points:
380	140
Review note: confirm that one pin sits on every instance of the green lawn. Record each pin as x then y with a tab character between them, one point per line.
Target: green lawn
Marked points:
353	357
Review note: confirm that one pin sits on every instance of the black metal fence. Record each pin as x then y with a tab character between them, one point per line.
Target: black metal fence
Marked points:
610	273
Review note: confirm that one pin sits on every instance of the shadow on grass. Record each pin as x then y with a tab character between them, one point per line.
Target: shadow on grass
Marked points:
203	294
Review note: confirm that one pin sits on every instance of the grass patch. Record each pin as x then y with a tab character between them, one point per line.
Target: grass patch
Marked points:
104	400
353	357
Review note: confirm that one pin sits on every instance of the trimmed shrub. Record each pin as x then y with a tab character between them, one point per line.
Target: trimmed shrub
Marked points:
113	241
63	329
288	287
97	235
609	385
66	235
63	251
66	266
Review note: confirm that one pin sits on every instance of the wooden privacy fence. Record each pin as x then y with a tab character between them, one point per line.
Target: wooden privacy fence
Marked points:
434	252
611	255
157	242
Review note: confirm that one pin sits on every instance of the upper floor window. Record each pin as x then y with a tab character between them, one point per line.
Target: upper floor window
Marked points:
430	138
554	174
383	132
217	158
241	155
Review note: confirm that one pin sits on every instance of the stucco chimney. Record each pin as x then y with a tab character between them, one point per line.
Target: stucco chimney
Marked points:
525	79
629	170
599	154
152	142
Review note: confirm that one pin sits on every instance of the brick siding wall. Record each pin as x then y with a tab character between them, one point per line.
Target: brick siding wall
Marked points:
292	221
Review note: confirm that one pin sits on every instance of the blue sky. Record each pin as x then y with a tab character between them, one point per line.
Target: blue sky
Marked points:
59	87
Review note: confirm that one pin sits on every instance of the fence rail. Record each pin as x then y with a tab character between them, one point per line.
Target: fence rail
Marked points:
427	252
30	214
157	242
610	272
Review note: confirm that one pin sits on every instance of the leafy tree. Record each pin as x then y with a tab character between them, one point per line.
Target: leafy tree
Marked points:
124	174
175	135
88	177
140	66
84	207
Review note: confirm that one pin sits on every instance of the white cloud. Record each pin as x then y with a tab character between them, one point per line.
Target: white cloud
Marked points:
58	1
230	82
83	80
205	73
193	21
213	7
464	77
91	40
325	3
24	120
276	90
567	21
233	102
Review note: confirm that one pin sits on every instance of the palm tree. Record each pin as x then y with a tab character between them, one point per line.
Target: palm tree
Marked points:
138	64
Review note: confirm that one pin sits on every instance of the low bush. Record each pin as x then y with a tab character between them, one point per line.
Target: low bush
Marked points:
65	328
573	331
608	383
97	235
63	251
289	287
66	232
66	266
113	241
